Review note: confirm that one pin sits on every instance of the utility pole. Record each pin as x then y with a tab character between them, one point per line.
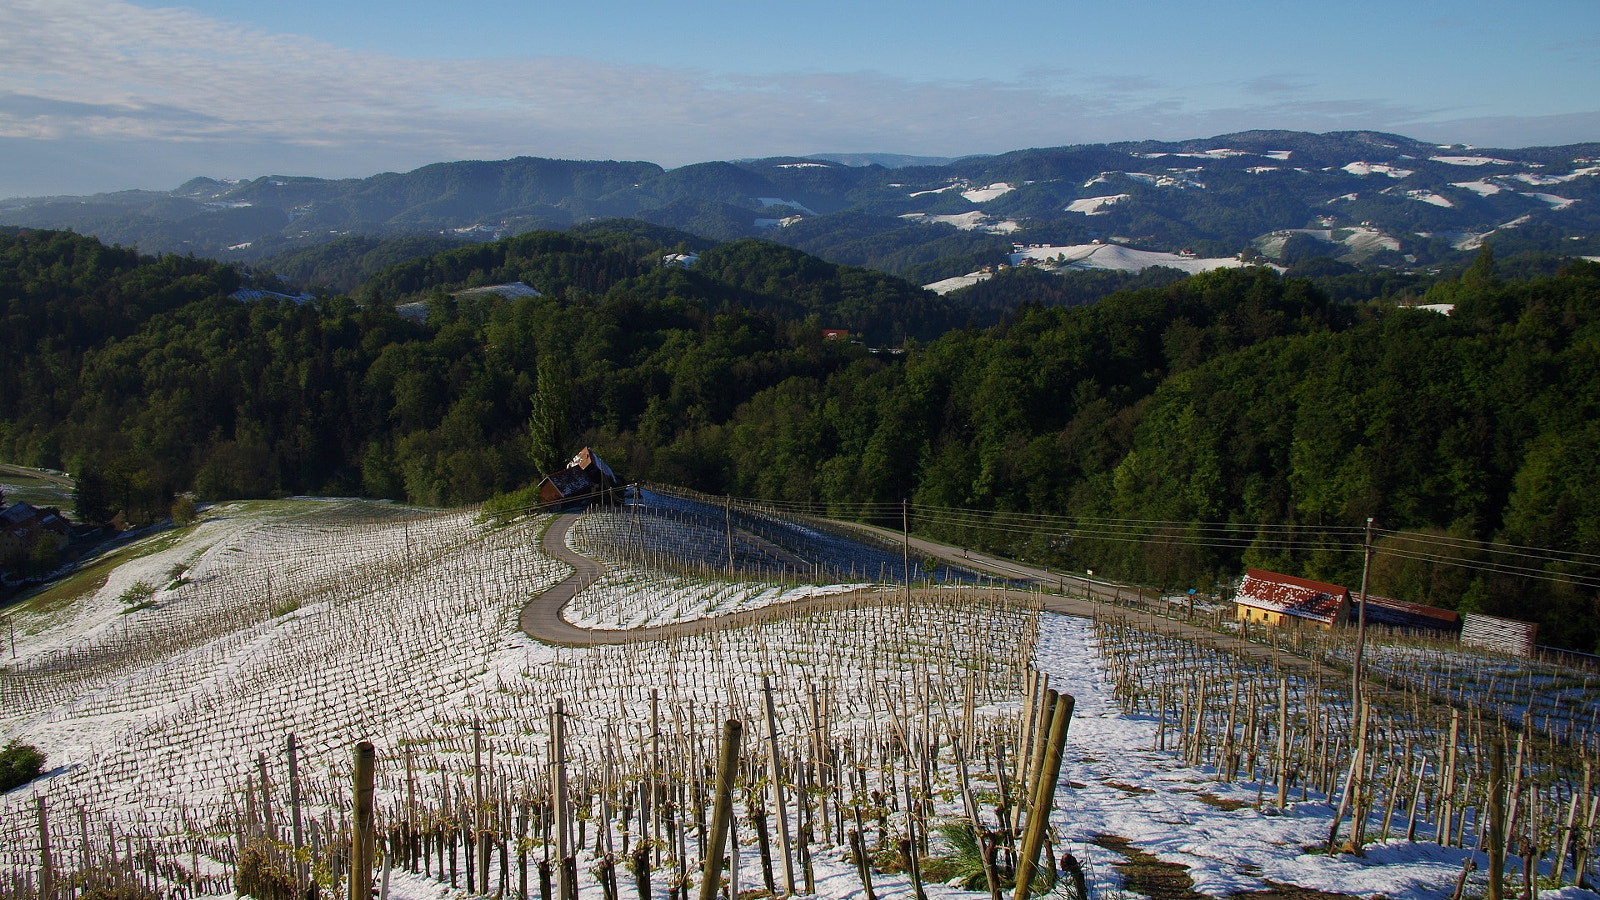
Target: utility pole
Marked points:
905	533
1361	622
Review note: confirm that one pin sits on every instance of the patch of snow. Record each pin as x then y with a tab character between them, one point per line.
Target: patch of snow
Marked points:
1471	161
1175	179
1366	168
1279	155
804	165
1226	853
968	221
1554	201
1343	197
945	189
1219	153
958	282
985	194
1120	258
776	201
1536	179
1482	187
512	290
1430	197
1259	170
1095	206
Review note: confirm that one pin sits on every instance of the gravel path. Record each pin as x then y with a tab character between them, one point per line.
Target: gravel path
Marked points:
541	618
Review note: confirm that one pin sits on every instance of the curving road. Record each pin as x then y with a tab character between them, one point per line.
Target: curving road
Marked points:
541	617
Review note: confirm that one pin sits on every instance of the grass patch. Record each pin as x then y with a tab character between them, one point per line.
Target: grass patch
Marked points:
1227	804
60	594
1144	874
1133	789
1276	891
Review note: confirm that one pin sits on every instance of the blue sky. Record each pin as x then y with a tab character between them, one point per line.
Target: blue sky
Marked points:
110	94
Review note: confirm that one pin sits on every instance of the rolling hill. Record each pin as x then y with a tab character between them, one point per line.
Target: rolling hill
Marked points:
1355	196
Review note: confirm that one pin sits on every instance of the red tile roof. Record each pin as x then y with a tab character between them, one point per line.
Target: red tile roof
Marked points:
1291	596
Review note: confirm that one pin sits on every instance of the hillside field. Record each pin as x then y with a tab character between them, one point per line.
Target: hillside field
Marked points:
163	683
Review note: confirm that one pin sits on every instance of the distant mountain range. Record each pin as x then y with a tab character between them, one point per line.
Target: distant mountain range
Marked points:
1362	197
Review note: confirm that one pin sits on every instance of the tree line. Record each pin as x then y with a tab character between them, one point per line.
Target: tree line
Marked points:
1238	396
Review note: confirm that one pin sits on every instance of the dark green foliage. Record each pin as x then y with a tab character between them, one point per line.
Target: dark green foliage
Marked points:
344	264
1235	396
19	764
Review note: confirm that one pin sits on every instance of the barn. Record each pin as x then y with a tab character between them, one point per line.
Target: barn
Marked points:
1274	599
586	478
1393	613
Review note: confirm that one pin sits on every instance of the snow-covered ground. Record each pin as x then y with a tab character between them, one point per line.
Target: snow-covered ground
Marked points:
1369	168
968	221
985	194
339	621
1121	258
1094	206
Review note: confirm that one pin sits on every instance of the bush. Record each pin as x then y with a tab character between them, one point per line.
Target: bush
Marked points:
502	508
19	764
183	510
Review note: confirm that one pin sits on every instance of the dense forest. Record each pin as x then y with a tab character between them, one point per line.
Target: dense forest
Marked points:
1238	398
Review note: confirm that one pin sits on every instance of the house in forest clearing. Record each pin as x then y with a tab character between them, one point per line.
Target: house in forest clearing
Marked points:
23	526
1273	599
586	478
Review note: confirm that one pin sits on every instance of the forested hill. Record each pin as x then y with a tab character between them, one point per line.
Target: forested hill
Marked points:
1366	197
1237	396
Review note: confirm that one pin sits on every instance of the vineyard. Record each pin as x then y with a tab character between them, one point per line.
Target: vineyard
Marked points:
289	696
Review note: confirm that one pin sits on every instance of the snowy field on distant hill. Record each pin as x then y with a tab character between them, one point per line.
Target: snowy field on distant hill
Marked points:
1124	259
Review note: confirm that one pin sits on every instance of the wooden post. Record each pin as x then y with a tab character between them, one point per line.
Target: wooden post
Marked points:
301	869
722	812
1352	786
779	799
47	873
1283	742
727	512
480	828
1044	796
558	779
1497	821
361	836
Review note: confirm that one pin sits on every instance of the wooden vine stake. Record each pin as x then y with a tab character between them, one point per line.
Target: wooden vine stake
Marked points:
361	833
1044	794
722	811
778	797
1497	821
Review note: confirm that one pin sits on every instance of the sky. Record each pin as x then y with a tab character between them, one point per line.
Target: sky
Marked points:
99	95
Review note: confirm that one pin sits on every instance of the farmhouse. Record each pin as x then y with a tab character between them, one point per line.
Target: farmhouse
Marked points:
23	526
1275	599
586	477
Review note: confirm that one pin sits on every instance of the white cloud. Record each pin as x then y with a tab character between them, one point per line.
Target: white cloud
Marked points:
181	94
